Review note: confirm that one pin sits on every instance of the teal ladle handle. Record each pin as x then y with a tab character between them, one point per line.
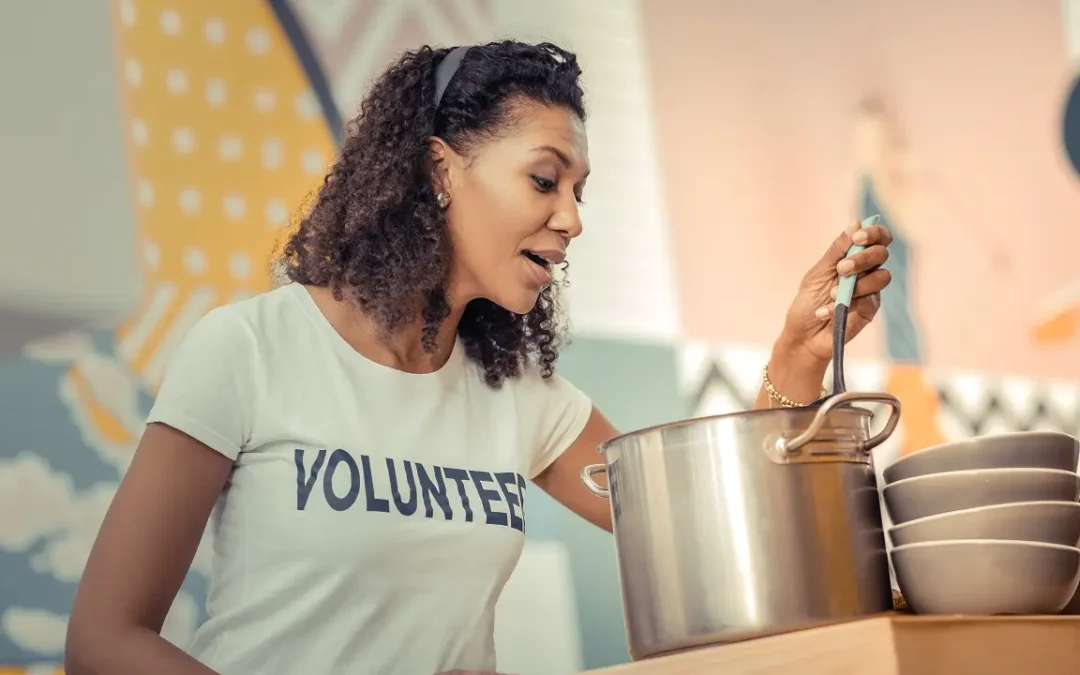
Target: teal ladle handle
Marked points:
844	291
847	284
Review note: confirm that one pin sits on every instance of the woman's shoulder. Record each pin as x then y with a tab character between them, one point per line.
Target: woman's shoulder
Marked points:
244	326
281	304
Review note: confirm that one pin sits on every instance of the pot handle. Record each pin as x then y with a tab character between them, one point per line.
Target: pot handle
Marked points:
788	446
594	487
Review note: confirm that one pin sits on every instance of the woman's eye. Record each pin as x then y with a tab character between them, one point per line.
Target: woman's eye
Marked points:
543	184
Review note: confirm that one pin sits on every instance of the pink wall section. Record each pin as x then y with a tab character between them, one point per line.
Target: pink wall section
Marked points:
755	106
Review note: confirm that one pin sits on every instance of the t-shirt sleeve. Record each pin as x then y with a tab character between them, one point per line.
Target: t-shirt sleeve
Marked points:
560	411
209	391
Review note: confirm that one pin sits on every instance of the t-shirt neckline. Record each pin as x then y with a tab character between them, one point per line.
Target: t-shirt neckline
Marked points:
450	371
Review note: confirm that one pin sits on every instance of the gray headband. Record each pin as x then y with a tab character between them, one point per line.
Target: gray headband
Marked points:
446	70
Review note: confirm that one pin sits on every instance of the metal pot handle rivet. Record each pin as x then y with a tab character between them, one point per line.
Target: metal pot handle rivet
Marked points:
592	485
788	446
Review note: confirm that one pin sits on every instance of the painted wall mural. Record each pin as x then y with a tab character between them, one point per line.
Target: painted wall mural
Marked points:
728	145
225	138
1058	320
755	106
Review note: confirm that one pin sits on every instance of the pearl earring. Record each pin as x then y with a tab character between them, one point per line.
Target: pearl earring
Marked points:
443	200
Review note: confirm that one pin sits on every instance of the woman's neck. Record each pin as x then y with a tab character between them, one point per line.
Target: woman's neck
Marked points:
402	350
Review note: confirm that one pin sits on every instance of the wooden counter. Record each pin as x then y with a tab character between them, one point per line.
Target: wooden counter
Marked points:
890	644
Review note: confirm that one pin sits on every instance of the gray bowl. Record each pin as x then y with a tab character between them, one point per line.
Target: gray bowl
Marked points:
980	576
923	496
1073	606
1044	522
1022	449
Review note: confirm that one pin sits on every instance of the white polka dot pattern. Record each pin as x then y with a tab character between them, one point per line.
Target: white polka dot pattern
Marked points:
226	139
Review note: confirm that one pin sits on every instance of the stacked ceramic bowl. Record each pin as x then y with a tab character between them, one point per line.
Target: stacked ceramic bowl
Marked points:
988	525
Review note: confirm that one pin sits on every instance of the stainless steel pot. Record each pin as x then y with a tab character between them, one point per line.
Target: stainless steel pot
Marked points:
742	525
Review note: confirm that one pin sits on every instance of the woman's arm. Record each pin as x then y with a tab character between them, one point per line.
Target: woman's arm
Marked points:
793	373
140	558
804	349
202	418
562	478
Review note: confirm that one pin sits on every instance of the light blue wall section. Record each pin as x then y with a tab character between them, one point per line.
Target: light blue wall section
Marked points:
635	385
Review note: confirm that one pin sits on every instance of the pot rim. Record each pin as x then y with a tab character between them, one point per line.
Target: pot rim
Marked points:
602	448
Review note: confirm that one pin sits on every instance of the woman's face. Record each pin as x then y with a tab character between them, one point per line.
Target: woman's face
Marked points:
514	206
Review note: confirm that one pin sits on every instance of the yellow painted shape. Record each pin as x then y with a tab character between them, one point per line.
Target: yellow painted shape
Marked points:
106	424
225	139
921	405
1061	326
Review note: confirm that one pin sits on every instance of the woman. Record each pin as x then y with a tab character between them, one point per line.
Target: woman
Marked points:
367	430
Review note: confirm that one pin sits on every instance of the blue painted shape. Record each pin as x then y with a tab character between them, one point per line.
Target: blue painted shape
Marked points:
903	342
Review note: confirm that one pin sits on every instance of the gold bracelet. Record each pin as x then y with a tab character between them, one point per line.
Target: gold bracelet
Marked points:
777	396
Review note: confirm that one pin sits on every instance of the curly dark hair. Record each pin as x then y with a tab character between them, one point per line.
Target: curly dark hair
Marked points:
375	229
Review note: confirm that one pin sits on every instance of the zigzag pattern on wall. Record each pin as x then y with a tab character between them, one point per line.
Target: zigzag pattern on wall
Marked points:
357	39
972	404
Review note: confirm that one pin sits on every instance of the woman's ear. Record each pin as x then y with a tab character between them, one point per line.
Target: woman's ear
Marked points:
438	165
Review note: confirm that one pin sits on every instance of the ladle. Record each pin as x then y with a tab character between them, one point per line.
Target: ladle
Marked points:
840	316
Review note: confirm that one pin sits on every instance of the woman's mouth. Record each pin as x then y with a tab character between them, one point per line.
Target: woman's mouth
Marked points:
537	259
540	265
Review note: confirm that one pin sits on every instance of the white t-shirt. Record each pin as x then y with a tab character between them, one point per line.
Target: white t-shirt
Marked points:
372	516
